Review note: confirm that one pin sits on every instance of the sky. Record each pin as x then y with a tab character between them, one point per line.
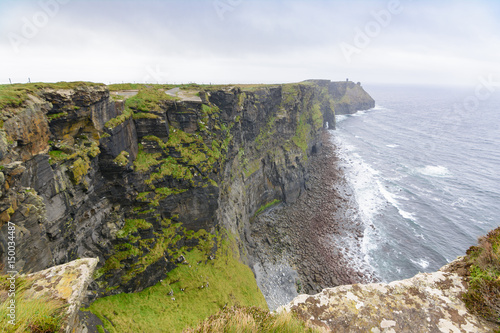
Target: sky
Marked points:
250	41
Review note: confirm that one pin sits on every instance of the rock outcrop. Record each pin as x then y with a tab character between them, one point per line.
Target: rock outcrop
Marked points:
134	182
66	283
428	302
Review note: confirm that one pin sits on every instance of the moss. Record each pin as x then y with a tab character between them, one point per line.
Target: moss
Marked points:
266	133
166	191
132	226
57	155
57	115
290	94
317	116
112	123
79	169
122	159
301	137
144	161
252	167
267	205
170	167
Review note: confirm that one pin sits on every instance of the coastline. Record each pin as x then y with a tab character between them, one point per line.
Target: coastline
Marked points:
307	246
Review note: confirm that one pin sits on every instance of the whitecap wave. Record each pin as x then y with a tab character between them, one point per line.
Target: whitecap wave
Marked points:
392	146
435	171
392	199
421	262
341	117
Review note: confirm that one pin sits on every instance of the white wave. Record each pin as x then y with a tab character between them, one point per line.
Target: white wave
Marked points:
422	263
341	117
392	146
435	171
392	199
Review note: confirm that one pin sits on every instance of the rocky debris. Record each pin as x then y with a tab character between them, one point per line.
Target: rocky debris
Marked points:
428	302
319	235
67	283
277	281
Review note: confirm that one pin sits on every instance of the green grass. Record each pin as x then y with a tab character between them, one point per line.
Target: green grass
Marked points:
132	226
301	137
14	95
42	314
267	205
238	319
266	134
122	158
483	294
200	288
112	123
124	86
144	161
58	155
57	115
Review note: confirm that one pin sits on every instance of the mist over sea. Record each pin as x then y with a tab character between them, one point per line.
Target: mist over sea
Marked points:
424	165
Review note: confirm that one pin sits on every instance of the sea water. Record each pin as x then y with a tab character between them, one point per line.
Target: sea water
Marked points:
424	166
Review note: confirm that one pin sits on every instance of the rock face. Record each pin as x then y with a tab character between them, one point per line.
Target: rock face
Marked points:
67	283
134	183
348	97
428	302
320	235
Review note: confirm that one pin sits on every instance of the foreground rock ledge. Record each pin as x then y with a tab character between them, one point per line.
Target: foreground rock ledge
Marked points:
428	302
66	282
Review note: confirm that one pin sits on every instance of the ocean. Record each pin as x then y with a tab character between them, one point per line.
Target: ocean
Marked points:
424	166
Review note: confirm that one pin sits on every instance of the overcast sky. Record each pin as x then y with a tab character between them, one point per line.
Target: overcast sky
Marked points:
249	41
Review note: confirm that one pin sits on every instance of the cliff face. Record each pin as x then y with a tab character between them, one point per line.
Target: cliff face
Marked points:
134	182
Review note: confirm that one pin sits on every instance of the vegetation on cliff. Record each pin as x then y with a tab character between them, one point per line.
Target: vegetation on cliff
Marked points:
14	95
144	179
208	278
483	295
252	320
42	314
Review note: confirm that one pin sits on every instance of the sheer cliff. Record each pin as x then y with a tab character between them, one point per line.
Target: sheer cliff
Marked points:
137	176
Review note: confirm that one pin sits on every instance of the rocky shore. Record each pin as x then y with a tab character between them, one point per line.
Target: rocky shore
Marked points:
313	243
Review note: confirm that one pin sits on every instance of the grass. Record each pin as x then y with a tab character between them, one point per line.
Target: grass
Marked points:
42	314
14	95
132	226
122	158
266	206
483	294
238	319
112	123
190	293
301	137
144	161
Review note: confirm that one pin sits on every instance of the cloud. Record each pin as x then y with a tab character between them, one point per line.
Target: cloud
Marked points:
248	41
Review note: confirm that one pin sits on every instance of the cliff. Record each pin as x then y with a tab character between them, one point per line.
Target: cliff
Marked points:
428	302
136	178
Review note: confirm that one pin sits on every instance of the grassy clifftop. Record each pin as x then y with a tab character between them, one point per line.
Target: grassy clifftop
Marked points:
201	285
